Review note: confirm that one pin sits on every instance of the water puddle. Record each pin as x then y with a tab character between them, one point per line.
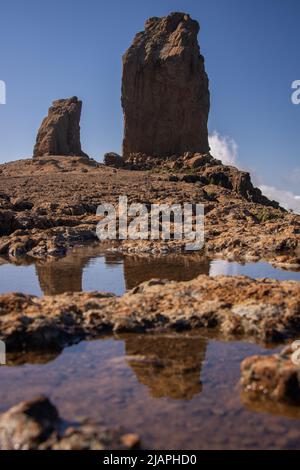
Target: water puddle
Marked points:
89	268
178	391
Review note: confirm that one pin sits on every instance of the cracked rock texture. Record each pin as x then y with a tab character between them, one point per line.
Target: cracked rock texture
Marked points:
165	95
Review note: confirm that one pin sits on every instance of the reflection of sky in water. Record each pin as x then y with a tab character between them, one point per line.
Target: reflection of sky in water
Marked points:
257	270
19	279
98	274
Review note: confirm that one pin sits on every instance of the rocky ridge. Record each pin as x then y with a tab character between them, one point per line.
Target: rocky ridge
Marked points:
262	310
49	205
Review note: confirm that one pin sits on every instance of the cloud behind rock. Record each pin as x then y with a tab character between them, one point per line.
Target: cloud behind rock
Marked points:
286	199
223	148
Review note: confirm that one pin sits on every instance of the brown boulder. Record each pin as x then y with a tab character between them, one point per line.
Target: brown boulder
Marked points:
197	160
36	425
27	424
165	95
114	160
233	179
59	133
274	378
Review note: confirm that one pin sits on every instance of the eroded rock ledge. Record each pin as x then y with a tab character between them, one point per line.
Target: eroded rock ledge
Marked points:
262	310
193	168
36	425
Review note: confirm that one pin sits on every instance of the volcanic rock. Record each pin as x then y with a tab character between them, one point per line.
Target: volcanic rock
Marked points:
59	133
114	160
264	310
275	378
49	205
36	425
165	95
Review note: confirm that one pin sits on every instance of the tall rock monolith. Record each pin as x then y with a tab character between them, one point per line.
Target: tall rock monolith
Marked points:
165	92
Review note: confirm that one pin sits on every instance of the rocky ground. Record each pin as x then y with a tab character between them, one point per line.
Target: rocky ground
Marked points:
260	310
36	425
49	205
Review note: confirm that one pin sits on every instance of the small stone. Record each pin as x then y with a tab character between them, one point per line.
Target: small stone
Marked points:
131	441
36	425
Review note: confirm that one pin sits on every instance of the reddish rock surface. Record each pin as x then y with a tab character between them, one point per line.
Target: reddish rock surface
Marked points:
59	133
165	95
275	378
264	310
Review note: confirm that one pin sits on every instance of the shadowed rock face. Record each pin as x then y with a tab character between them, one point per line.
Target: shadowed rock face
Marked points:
165	95
59	133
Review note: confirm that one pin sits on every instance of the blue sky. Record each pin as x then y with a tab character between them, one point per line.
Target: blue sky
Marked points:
57	49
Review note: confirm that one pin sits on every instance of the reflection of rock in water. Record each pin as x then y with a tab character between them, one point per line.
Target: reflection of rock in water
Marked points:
31	357
65	274
57	277
270	407
62	275
172	267
170	365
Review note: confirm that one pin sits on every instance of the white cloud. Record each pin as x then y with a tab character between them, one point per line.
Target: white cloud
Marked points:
286	199
226	149
223	267
223	148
